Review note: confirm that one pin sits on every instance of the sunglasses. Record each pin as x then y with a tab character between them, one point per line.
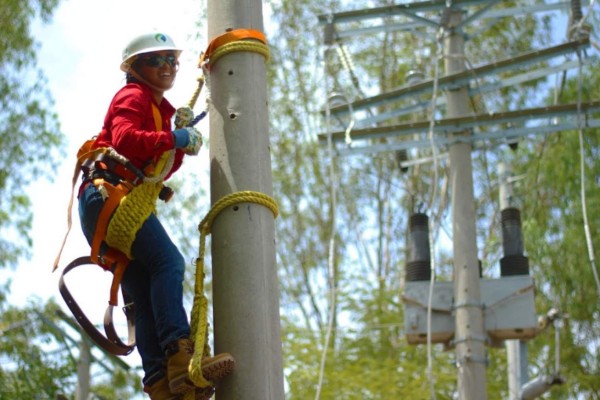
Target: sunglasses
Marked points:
157	61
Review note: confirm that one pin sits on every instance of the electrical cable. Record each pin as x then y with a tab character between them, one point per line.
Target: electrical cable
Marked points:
347	137
434	150
557	325
331	250
348	64
439	55
429	317
586	226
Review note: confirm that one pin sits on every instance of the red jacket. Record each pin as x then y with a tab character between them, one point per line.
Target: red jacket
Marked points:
129	127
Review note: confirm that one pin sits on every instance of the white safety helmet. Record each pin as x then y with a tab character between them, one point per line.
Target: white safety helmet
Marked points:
147	43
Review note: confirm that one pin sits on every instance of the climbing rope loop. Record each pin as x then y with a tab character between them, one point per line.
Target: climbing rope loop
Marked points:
229	48
248	40
199	319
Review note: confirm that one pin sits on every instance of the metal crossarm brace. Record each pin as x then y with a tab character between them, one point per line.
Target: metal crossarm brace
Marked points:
462	78
461	123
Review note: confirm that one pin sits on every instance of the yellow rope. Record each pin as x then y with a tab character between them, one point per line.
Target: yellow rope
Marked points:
199	317
196	93
129	216
240	45
199	322
135	208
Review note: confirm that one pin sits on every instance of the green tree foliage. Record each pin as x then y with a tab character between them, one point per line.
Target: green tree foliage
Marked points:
39	358
29	136
28	369
555	235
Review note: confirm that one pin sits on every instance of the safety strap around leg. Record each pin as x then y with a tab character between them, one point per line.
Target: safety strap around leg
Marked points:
117	262
112	259
115	195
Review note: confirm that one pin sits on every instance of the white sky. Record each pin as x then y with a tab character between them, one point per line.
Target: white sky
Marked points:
80	54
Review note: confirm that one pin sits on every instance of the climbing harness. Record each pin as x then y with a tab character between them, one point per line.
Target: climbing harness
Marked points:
129	198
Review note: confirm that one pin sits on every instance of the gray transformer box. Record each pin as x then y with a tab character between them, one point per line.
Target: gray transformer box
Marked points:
508	310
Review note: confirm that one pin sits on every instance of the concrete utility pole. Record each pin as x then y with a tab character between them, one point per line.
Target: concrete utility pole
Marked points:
470	335
245	286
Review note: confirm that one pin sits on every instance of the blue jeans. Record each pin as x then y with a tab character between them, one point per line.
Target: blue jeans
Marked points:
153	279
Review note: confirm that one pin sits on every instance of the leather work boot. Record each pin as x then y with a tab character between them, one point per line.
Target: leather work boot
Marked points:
160	391
213	369
217	367
179	354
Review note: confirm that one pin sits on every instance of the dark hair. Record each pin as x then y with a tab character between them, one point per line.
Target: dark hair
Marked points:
129	78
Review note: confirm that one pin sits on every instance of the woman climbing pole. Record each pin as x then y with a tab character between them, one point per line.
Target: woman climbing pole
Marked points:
138	127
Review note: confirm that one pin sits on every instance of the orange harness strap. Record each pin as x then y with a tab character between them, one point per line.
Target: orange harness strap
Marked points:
112	256
149	170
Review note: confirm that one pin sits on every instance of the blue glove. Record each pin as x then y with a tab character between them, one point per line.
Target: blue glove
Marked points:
182	138
195	142
188	139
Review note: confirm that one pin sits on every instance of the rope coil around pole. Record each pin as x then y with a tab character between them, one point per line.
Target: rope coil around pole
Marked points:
199	319
228	48
236	40
232	41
